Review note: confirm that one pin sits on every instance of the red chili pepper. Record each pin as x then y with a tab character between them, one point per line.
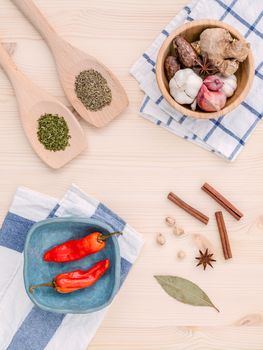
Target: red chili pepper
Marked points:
68	282
77	249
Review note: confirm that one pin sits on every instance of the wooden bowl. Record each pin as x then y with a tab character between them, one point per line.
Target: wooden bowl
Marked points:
191	32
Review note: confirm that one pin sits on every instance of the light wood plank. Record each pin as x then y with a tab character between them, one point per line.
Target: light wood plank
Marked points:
131	165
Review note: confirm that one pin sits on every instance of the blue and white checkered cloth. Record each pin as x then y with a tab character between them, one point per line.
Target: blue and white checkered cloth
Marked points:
224	136
24	326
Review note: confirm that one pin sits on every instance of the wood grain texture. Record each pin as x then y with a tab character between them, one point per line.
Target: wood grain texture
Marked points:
131	165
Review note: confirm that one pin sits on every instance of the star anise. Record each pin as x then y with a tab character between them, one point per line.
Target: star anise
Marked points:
205	259
204	66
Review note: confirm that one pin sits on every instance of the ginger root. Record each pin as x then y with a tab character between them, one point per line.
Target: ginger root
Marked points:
223	51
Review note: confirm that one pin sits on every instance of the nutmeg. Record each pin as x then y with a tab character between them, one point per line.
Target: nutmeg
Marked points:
171	66
186	53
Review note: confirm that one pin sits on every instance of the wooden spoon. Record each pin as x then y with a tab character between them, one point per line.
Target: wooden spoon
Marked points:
34	102
70	62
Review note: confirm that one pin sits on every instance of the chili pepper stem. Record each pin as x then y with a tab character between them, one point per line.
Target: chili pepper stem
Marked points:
105	237
48	284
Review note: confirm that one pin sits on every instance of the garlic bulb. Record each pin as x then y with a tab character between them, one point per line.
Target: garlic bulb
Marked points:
230	84
184	86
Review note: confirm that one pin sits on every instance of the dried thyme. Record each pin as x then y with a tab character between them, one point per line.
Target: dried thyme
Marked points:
92	90
53	132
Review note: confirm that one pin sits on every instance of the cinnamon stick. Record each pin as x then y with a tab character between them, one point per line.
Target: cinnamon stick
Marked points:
219	198
223	235
190	210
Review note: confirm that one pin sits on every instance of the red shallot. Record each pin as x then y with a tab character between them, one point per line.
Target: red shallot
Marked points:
210	101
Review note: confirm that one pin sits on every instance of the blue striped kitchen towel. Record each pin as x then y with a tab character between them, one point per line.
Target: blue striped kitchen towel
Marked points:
224	136
24	326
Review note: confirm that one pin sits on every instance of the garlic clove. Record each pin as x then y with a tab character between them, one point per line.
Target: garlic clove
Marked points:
178	231
160	239
184	86
181	77
194	82
181	97
170	221
230	84
194	105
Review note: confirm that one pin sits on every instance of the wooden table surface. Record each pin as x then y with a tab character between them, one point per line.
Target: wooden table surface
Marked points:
131	165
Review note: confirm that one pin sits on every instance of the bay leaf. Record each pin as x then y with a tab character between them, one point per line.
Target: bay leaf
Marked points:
184	291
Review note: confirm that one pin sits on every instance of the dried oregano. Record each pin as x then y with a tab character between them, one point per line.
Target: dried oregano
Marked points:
53	132
92	90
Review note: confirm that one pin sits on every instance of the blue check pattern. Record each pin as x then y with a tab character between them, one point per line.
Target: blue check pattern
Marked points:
223	136
38	328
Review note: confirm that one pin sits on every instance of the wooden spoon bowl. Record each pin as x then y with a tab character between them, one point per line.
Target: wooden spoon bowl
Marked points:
77	142
33	102
70	62
70	65
191	32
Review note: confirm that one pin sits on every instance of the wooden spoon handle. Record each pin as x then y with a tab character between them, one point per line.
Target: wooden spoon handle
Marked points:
35	16
25	90
9	66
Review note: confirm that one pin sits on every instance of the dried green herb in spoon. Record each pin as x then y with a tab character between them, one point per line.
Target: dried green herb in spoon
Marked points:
53	132
92	90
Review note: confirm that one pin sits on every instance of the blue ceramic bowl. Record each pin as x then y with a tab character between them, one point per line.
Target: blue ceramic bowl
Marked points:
51	232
